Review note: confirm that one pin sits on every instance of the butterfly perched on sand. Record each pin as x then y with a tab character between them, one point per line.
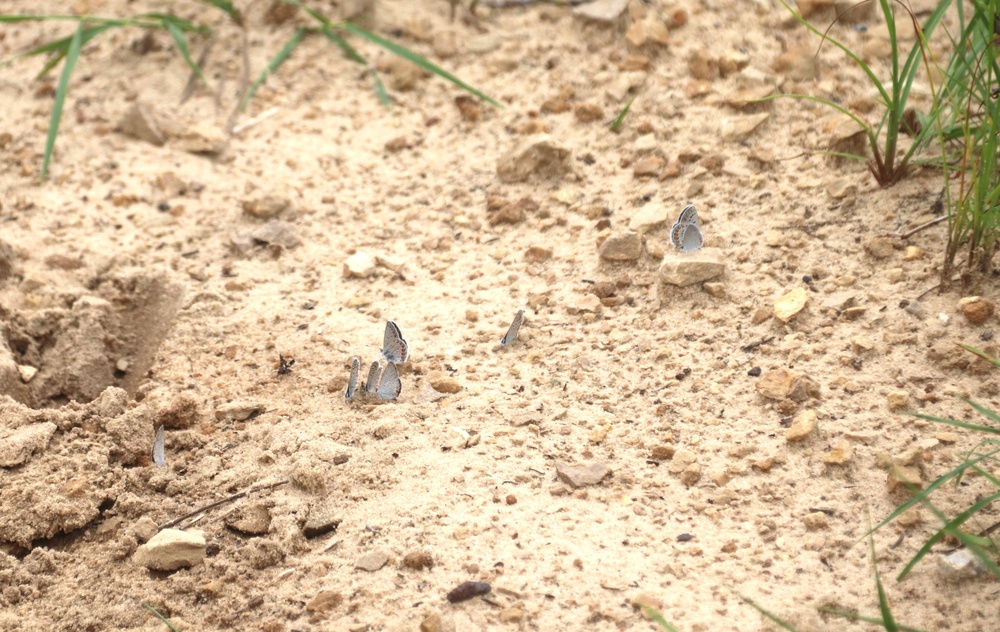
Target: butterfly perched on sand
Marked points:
685	234
159	452
394	347
352	382
511	334
389	385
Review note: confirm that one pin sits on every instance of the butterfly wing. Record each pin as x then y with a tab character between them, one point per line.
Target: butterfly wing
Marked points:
371	384
689	216
692	239
389	386
159	451
394	347
511	334
677	235
352	382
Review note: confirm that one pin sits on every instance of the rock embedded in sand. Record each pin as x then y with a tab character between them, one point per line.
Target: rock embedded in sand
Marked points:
265	204
320	523
372	562
324	600
537	254
648	32
625	246
586	304
802	426
904	477
577	476
648	167
443	383
976	309
737	128
649	218
879	247
171	549
360	265
815	520
897	399
604	11
840	454
239	410
252	520
687	268
539	156
418	560
17	445
789	305
781	384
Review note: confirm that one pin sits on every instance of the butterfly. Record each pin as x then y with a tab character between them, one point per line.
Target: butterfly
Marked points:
685	234
159	454
371	384
352	382
511	334
394	347
389	386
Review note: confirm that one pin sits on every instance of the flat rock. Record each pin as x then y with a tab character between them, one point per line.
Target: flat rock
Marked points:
649	218
443	383
265	204
960	565
18	444
737	128
360	265
171	549
324	600
604	11
320	523
648	167
577	476
373	561
788	306
240	409
840	454
536	156
625	246
203	137
779	384
687	268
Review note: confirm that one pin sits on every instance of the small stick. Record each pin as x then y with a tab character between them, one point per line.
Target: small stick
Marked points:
228	499
263	116
193	79
914	231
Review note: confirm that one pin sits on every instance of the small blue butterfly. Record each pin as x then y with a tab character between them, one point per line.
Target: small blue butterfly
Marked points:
394	347
159	452
511	334
685	234
389	385
352	382
371	384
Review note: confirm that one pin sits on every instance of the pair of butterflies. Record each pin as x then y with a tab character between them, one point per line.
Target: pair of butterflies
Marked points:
685	234
382	383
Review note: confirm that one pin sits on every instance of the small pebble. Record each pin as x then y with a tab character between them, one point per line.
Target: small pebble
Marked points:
468	590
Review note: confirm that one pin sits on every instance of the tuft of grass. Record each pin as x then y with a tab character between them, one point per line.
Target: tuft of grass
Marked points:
67	50
883	136
970	93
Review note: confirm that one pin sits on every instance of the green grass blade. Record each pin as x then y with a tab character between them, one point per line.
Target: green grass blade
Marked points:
227	7
617	124
160	616
72	55
341	43
923	494
181	41
767	614
658	618
273	65
409	55
982	354
958	424
859	617
888	622
60	47
380	91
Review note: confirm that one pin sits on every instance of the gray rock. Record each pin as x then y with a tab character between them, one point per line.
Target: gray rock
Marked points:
360	265
373	561
605	11
320	523
239	410
536	156
577	476
171	549
252	520
960	565
687	268
622	247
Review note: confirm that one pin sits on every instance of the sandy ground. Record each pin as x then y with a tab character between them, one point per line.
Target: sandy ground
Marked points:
136	285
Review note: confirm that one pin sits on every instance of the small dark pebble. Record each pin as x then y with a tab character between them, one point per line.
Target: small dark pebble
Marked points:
986	335
754	372
685	537
163	207
807	279
468	590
